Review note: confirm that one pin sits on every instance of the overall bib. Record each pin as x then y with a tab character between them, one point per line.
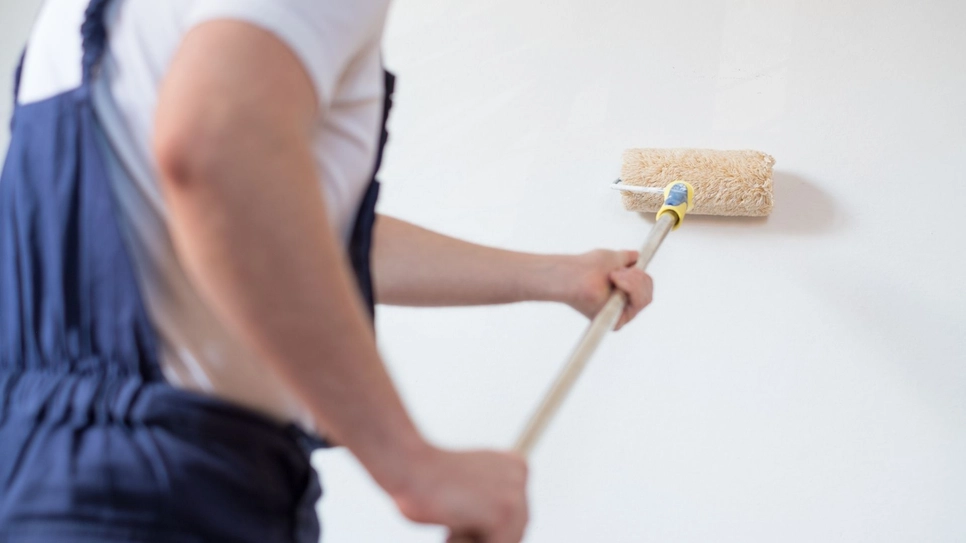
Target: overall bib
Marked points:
94	445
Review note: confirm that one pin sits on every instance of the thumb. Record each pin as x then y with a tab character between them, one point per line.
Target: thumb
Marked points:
629	258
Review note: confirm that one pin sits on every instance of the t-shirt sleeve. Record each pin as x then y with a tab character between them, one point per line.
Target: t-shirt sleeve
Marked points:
323	35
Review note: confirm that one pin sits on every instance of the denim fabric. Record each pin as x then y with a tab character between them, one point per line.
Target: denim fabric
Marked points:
94	444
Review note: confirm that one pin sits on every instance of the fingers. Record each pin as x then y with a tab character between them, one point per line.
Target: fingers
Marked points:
479	495
514	509
511	512
638	287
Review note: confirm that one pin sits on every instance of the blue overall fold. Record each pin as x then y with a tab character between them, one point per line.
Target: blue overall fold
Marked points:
69	294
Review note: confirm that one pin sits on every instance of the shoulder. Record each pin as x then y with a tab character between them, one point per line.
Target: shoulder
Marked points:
327	37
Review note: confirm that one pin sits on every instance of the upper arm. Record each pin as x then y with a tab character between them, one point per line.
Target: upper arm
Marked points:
232	91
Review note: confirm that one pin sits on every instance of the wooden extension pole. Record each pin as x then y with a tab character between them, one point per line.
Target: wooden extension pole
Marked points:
604	322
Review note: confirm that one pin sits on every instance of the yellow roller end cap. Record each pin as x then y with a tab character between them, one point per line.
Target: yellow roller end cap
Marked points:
678	199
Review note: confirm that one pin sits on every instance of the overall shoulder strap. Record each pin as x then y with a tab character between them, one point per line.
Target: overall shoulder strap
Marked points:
17	75
94	35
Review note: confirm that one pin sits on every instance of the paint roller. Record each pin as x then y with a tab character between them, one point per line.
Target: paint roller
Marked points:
672	183
730	183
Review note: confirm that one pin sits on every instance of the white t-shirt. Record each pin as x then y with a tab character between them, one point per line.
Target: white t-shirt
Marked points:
338	43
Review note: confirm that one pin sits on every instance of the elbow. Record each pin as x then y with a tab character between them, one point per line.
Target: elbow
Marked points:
189	152
179	160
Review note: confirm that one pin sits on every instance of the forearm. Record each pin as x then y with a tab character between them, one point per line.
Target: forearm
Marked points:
417	267
250	226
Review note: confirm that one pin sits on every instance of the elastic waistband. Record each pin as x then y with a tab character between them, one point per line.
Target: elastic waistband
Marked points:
80	451
87	399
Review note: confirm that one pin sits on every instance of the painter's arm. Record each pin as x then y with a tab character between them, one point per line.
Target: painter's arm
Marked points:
233	141
418	267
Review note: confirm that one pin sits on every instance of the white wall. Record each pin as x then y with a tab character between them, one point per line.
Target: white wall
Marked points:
801	378
16	17
798	379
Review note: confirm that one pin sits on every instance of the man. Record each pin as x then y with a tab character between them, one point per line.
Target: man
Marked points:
232	148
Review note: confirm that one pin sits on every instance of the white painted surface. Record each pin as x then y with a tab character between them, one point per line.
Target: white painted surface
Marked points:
798	379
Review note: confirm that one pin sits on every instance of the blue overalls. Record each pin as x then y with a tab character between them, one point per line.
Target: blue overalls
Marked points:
94	445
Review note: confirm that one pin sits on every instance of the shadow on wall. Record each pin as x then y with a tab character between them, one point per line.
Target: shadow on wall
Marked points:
801	209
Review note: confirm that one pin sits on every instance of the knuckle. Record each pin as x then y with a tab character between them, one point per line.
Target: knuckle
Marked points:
516	458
